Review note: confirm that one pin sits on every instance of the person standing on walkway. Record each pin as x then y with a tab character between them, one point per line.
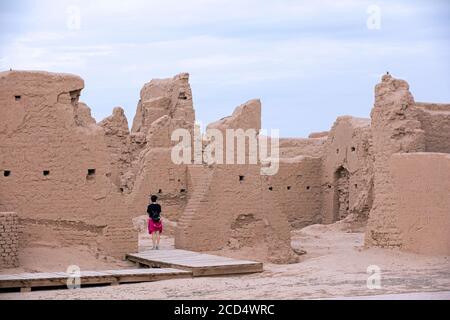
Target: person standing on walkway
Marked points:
155	226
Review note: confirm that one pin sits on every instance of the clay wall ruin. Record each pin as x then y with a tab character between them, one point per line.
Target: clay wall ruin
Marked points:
435	120
233	206
9	240
55	165
347	173
395	129
297	188
165	105
73	181
422	184
293	147
233	209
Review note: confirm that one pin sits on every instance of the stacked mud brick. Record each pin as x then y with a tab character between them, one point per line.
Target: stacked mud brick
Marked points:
9	240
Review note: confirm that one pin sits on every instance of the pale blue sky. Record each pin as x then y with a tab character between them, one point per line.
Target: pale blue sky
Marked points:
308	61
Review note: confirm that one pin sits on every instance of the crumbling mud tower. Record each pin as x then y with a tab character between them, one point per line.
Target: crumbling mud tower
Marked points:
165	105
395	128
403	134
56	168
9	240
233	206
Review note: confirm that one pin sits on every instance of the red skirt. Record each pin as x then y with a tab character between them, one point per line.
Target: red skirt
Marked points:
154	226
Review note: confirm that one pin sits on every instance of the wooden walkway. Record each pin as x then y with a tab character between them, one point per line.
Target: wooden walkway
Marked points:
199	264
26	281
164	264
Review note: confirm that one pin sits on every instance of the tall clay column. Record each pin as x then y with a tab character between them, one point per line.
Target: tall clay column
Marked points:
395	129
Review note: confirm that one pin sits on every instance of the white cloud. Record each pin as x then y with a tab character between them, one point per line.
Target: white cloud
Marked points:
41	51
226	44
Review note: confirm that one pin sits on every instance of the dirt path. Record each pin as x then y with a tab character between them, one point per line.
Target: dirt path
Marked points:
335	266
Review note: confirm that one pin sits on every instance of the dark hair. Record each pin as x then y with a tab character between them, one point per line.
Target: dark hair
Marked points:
154	198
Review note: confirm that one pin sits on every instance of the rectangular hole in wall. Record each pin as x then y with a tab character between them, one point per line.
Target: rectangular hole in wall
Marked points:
46	173
308	187
271	188
90	174
74	97
182	190
17	98
288	187
241	178
6	173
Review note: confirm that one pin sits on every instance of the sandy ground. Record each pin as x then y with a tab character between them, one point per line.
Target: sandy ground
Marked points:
49	258
335	266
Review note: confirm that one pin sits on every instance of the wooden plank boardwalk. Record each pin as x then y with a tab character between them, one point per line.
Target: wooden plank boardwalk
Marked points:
164	264
199	264
26	281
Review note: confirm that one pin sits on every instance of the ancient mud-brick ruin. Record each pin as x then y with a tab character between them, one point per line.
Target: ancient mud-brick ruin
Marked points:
74	181
9	240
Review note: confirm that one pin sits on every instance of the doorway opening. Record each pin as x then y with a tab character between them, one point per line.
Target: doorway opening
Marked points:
341	193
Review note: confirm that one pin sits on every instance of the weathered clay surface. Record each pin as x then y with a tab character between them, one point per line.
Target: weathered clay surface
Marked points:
395	129
347	176
9	240
73	181
228	213
435	120
117	137
422	201
246	116
56	166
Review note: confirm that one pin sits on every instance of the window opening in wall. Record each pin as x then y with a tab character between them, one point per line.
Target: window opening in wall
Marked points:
182	190
288	187
90	174
74	96
241	178
6	173
308	187
353	149
46	173
159	191
270	188
17	98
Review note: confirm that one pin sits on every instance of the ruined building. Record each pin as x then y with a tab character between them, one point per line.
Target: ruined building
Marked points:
71	180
